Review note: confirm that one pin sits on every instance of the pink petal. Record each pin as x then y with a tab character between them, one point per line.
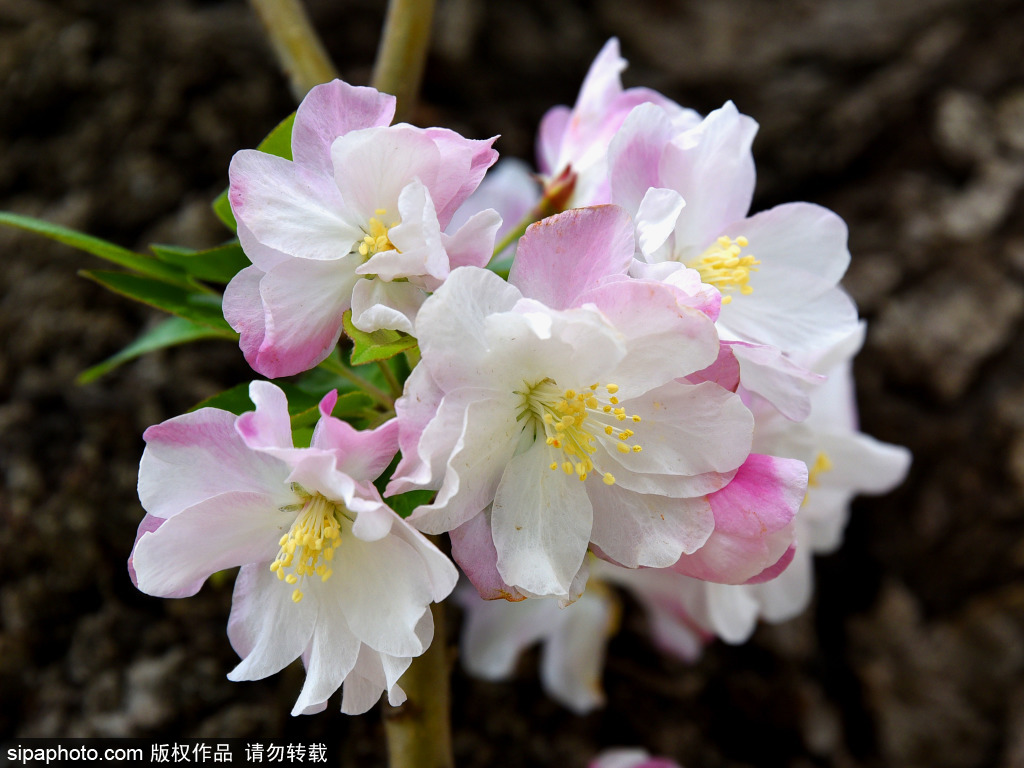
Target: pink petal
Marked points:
725	371
462	167
473	549
550	138
197	455
332	110
304	301
361	454
562	256
243	309
290	207
269	426
634	155
753	521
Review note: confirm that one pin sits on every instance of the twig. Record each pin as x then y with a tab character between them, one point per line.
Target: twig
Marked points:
403	52
296	44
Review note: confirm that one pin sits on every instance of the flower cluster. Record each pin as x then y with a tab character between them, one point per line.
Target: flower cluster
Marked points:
642	396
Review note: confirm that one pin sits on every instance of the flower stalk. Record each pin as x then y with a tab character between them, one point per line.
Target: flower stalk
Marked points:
419	731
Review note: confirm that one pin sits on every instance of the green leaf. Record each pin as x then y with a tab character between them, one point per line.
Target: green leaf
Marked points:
201	308
405	503
235	400
147	265
379	345
170	332
218	265
222	208
277	142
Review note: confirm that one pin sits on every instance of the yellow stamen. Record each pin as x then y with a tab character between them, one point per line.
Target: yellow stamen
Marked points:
310	542
723	267
573	422
377	236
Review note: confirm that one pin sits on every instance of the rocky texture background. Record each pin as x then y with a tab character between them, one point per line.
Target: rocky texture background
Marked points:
119	118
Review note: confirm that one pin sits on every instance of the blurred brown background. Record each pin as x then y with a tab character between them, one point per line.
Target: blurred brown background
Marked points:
907	118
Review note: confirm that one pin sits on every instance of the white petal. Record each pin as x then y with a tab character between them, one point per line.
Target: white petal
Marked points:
385	590
221	532
265	627
332	656
656	219
541	520
636	529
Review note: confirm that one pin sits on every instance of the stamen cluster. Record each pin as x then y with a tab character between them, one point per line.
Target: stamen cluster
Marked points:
722	266
570	420
315	532
376	239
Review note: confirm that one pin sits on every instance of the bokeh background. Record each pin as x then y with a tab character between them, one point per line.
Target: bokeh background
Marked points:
907	118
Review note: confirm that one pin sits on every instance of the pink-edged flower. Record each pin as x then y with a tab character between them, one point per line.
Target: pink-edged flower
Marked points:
329	573
842	462
630	757
572	638
551	413
576	140
356	220
569	432
689	193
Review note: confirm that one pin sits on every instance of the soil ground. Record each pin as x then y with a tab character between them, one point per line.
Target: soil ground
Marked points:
119	118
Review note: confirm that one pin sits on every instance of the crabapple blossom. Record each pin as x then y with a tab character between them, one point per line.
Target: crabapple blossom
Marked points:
689	193
329	573
574	142
842	463
355	221
551	413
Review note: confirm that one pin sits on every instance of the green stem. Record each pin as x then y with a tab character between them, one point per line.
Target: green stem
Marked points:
403	52
296	44
419	731
389	376
334	365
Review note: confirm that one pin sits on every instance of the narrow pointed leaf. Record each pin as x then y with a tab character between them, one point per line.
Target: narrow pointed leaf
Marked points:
169	333
201	308
217	265
146	265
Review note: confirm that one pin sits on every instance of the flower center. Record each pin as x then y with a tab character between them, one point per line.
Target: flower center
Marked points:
376	239
722	266
573	422
309	545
